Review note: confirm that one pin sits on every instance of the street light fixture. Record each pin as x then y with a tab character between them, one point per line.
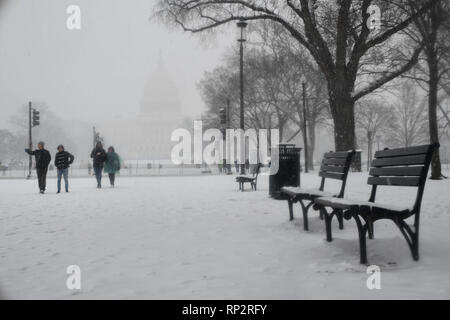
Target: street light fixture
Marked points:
242	25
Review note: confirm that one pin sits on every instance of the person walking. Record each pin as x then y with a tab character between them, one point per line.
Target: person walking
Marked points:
63	160
43	159
98	156
112	165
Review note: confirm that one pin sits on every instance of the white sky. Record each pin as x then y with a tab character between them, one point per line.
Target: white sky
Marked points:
101	70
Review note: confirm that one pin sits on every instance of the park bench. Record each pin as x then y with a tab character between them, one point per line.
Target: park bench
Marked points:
335	165
252	179
404	167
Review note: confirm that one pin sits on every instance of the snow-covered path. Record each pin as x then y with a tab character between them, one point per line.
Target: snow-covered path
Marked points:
199	238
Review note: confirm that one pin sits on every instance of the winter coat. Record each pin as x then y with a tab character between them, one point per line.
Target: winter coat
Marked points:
63	160
43	157
99	156
112	163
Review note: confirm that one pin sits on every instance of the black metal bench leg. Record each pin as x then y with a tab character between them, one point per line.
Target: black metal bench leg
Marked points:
305	214
411	237
291	210
362	230
328	218
340	217
370	229
415	247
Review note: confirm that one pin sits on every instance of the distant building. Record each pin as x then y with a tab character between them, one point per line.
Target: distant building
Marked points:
147	135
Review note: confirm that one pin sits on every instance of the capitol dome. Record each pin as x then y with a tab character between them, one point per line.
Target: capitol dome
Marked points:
160	96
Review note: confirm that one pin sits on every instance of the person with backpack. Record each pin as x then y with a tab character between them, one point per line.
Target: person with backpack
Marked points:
43	159
63	160
112	165
98	156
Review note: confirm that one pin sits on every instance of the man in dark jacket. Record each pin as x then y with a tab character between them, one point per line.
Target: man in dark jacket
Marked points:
63	160
99	157
43	159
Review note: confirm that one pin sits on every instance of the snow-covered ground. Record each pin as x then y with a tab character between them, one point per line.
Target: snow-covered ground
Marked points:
199	238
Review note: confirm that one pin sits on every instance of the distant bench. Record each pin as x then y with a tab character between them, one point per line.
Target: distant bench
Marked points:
404	167
253	179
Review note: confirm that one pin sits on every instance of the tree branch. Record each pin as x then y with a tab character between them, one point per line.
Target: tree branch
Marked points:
380	82
402	25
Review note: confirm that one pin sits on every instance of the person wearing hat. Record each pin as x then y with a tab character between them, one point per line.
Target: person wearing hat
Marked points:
43	159
63	160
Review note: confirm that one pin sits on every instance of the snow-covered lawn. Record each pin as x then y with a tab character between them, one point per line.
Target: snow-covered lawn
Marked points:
199	238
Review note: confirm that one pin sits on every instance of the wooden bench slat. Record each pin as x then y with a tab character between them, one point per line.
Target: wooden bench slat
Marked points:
337	169
399	161
402	151
331	175
339	154
334	161
394	181
396	171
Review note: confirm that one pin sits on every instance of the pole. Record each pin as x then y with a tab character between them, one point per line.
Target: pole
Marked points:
30	141
305	133
242	99
227	141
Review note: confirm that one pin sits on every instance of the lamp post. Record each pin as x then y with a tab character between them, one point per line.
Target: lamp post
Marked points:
30	143
305	126
227	141
242	25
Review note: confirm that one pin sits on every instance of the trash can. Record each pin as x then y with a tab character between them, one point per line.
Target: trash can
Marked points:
288	174
356	165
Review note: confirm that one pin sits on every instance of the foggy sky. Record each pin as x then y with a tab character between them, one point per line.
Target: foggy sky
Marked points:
99	71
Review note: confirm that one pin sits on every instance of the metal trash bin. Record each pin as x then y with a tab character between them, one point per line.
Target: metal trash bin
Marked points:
288	174
356	165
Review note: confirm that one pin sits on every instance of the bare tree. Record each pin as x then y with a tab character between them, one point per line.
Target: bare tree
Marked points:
295	65
409	118
336	34
221	85
11	147
273	90
372	118
430	32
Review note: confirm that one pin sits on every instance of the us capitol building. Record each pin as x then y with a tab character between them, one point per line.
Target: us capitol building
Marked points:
147	135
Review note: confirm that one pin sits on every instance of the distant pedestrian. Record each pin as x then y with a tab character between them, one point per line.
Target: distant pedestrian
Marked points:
98	156
63	160
112	165
43	159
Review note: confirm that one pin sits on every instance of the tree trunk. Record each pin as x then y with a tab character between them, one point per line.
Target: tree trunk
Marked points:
342	109
369	149
312	143
433	83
